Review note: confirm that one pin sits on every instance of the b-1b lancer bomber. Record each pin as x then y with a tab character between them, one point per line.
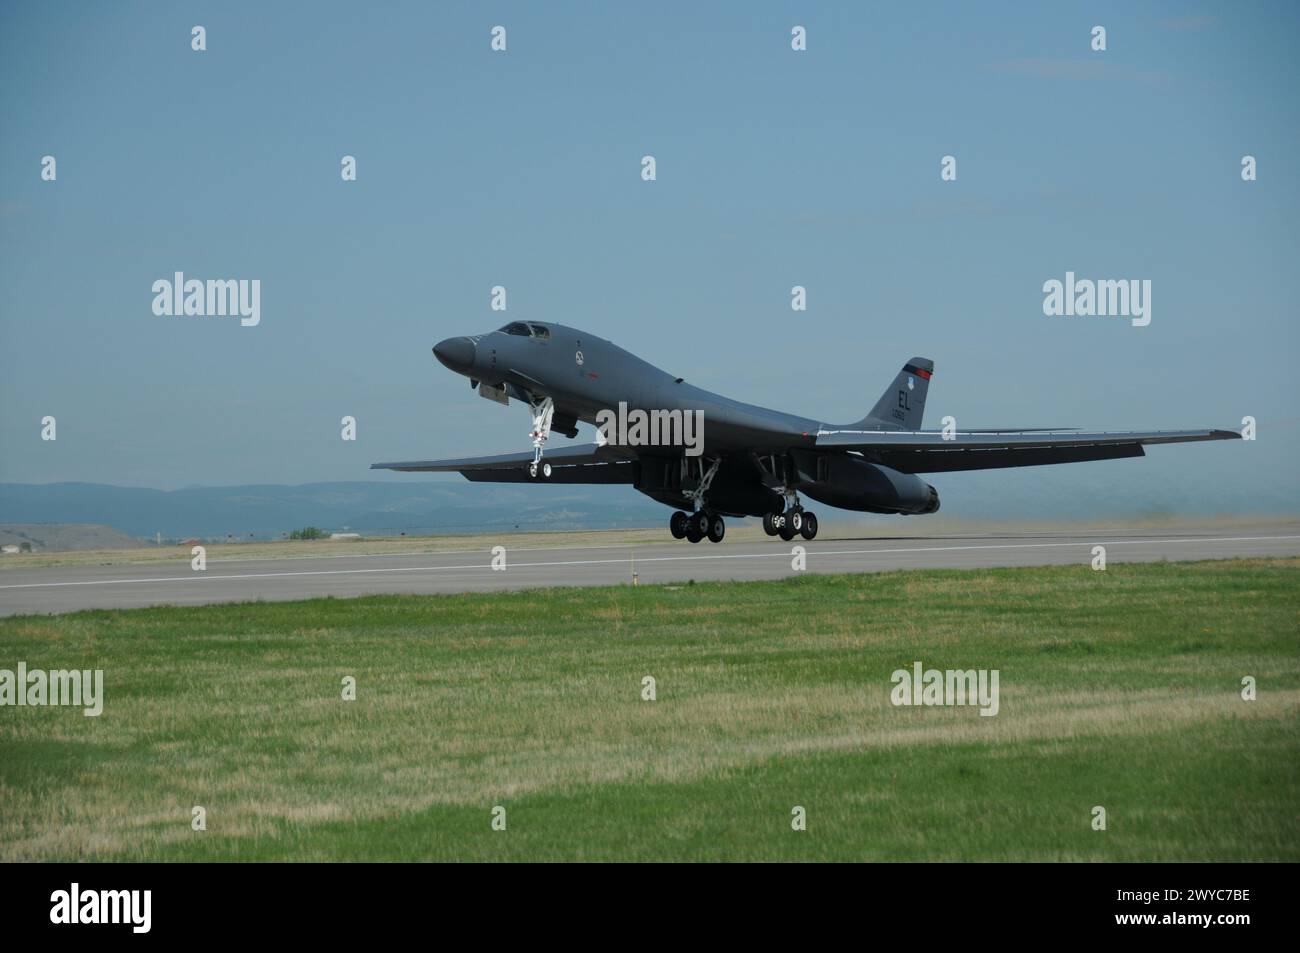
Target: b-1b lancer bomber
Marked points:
710	457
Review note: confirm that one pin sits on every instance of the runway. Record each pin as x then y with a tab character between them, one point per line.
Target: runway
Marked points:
72	588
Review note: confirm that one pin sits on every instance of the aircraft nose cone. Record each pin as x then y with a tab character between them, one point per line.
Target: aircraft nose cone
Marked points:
456	354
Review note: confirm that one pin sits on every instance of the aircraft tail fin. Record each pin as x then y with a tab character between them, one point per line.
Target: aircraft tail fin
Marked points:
902	405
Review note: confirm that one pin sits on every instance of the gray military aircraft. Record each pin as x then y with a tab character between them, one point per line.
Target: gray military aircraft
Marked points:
748	460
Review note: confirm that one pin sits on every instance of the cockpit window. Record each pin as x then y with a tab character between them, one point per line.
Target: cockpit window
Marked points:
523	330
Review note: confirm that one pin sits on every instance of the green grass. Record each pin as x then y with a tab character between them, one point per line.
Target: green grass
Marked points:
1118	688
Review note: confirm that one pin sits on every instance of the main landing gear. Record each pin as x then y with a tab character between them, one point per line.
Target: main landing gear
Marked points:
778	473
787	525
696	527
703	522
793	522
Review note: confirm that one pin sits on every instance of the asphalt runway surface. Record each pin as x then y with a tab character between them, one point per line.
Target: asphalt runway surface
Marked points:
71	588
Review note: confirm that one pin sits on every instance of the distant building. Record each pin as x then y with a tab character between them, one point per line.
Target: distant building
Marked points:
345	535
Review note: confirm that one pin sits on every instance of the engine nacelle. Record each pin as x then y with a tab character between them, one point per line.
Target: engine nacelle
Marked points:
852	483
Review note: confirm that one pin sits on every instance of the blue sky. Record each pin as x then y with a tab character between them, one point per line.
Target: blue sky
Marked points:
775	168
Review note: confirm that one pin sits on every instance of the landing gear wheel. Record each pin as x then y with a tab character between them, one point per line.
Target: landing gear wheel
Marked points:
787	528
677	524
769	523
795	519
809	528
717	528
532	470
546	471
694	529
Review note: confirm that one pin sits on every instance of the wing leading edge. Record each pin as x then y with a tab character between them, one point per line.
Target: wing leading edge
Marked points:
931	452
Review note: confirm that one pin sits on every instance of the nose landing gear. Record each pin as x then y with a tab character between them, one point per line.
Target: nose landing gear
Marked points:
543	414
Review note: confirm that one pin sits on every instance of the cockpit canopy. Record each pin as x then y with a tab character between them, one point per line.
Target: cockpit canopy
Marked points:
520	329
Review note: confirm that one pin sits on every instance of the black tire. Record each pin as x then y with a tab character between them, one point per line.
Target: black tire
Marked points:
809	528
787	530
697	527
769	523
795	519
677	524
717	529
546	471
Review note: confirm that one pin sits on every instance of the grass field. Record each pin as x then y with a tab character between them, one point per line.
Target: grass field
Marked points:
1118	688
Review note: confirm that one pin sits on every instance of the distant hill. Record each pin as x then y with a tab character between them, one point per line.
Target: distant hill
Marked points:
1165	485
65	536
268	511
